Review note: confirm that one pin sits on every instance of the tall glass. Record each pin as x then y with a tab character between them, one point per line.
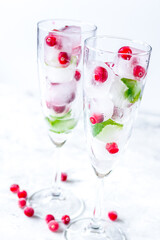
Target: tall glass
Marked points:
114	78
60	57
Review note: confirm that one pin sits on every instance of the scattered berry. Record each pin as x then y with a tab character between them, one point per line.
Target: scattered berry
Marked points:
77	75
63	177
96	118
112	147
49	218
127	53
14	188
22	194
138	71
65	219
29	211
22	202
113	215
100	74
63	58
51	40
59	109
53	226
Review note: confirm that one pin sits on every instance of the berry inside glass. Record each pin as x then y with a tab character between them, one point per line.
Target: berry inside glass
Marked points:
60	56
114	78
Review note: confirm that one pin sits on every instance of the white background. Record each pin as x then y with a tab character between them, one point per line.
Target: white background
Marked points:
136	19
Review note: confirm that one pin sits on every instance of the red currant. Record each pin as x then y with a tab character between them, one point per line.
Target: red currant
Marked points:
51	40
14	188
22	194
138	71
125	53
59	109
22	202
113	215
77	75
53	226
63	58
29	211
100	74
96	118
112	147
49	218
64	177
65	219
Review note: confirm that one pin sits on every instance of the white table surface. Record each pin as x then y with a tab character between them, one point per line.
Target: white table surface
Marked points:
132	189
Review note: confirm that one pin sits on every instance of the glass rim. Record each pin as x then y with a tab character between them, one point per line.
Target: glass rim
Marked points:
92	26
142	43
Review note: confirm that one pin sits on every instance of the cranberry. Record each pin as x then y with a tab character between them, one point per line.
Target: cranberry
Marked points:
14	188
65	219
22	194
51	40
127	53
63	58
59	109
49	218
113	215
22	202
100	74
29	211
96	118
53	226
112	147
77	75
138	71
64	177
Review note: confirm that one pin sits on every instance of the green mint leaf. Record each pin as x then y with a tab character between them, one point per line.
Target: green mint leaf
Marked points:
97	128
134	89
61	126
65	116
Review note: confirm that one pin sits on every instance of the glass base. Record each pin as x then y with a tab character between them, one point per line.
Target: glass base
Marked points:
45	202
83	229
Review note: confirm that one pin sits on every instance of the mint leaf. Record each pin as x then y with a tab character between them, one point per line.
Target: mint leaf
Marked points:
97	128
67	115
134	89
61	126
73	60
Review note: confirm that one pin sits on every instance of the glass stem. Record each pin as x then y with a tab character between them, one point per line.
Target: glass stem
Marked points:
56	190
97	213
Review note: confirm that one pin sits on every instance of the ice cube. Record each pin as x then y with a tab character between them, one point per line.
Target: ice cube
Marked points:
74	33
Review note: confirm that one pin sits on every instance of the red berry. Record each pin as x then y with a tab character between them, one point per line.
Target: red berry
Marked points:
112	147
14	188
53	226
71	98
138	71
22	202
113	215
63	177
49	218
22	194
29	211
127	53
65	219
63	58
77	75
100	74
59	109
50	40
96	118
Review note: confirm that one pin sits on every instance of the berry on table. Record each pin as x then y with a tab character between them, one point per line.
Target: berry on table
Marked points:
65	219
96	118
51	40
53	226
29	211
22	202
113	215
77	75
63	58
14	188
49	218
125	52
138	71
112	147
64	177
22	194
100	74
